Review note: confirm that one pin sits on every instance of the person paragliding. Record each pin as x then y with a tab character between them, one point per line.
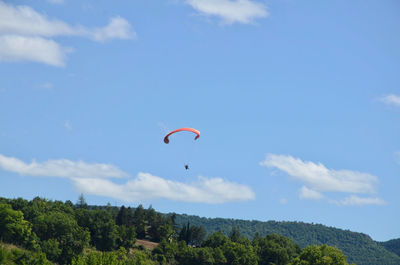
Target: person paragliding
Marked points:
166	138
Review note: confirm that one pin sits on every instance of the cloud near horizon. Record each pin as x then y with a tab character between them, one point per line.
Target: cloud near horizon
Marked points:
94	179
356	200
147	186
318	179
25	33
230	11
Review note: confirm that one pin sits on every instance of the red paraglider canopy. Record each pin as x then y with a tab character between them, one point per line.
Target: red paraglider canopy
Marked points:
166	140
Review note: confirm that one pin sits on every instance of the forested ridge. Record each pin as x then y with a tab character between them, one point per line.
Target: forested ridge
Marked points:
392	245
358	247
43	231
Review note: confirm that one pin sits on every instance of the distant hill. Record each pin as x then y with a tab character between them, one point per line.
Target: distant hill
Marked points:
359	248
392	245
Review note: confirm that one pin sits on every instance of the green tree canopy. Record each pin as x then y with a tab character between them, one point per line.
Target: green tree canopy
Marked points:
275	249
13	227
320	255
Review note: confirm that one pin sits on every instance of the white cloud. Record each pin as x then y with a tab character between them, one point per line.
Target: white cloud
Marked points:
19	48
355	200
306	193
23	20
230	11
60	168
118	28
22	24
94	179
56	1
147	186
391	99
318	179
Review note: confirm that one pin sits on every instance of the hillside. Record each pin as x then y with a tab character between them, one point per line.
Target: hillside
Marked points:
11	254
392	245
358	247
64	233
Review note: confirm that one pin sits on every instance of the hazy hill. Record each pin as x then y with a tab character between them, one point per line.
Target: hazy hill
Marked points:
358	247
392	245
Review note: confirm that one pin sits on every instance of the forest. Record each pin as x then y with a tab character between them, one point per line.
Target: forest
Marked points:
42	231
359	248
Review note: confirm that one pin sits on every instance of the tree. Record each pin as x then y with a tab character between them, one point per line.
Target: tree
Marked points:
103	230
239	254
81	203
19	204
122	217
320	255
234	235
126	236
61	231
13	227
139	222
192	235
198	233
165	231
215	240
183	234
165	252
51	248
19	256
275	249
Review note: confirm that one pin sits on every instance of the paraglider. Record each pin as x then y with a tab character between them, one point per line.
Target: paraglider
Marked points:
166	138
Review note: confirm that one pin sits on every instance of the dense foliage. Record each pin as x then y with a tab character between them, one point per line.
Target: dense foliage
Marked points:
359	248
392	245
42	231
10	255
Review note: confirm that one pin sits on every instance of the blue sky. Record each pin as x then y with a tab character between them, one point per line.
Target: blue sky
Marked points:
297	102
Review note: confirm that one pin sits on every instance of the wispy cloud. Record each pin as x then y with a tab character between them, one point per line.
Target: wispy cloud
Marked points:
230	11
318	179
306	193
355	200
56	1
95	179
391	99
147	187
60	168
283	200
23	20
24	35
47	86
